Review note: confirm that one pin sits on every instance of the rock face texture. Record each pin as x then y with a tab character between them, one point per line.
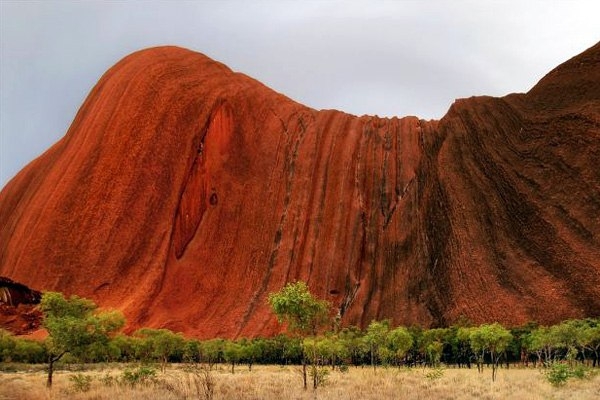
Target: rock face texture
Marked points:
18	307
184	193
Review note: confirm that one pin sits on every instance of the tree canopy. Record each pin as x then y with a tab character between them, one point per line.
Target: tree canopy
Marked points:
75	326
295	305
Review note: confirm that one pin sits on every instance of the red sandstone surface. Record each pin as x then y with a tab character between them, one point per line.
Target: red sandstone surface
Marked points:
18	307
184	193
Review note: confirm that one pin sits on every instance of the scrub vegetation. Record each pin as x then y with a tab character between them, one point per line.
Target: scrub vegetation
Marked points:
89	357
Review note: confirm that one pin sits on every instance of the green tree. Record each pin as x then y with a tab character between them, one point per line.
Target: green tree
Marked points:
432	344
375	338
570	337
317	350
252	350
126	347
352	340
233	353
304	314
295	305
74	325
493	339
543	343
464	353
212	351
520	346
399	342
29	351
162	344
591	341
191	351
7	345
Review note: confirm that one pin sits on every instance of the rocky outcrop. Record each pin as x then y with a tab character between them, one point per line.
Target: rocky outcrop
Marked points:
183	193
18	307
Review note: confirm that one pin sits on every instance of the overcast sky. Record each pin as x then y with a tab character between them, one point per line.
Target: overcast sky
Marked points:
386	58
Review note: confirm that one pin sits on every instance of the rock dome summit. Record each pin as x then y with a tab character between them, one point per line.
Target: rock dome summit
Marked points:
184	193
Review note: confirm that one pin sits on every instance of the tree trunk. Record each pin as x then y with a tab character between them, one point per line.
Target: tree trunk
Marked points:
304	372
373	358
51	361
50	372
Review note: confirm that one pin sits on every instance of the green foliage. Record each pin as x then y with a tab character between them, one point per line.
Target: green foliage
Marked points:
142	375
74	326
399	342
252	350
432	345
375	338
492	339
80	383
191	351
319	375
295	305
233	353
160	345
212	351
356	348
108	380
557	374
435	373
79	333
29	351
7	346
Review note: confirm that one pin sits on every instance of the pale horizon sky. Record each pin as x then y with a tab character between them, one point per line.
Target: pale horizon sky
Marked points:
386	58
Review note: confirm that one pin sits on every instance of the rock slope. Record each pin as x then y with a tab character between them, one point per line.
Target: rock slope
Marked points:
183	193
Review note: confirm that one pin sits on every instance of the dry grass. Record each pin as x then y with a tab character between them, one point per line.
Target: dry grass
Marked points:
273	382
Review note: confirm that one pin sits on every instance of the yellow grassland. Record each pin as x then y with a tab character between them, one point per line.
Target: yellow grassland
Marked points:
275	382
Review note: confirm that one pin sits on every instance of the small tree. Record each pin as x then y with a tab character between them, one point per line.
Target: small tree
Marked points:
432	345
492	339
591	341
7	345
162	344
317	350
304	314
355	347
74	325
399	342
251	350
233	353
211	351
376	338
191	351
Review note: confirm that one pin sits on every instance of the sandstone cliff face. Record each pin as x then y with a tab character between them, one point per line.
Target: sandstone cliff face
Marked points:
183	193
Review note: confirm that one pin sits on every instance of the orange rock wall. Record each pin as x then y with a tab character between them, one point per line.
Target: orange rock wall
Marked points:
184	193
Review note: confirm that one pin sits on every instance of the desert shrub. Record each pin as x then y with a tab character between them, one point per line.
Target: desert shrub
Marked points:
7	346
318	375
80	383
108	380
139	376
29	351
558	374
435	374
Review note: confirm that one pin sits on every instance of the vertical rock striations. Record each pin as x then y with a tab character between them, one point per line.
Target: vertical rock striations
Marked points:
183	193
